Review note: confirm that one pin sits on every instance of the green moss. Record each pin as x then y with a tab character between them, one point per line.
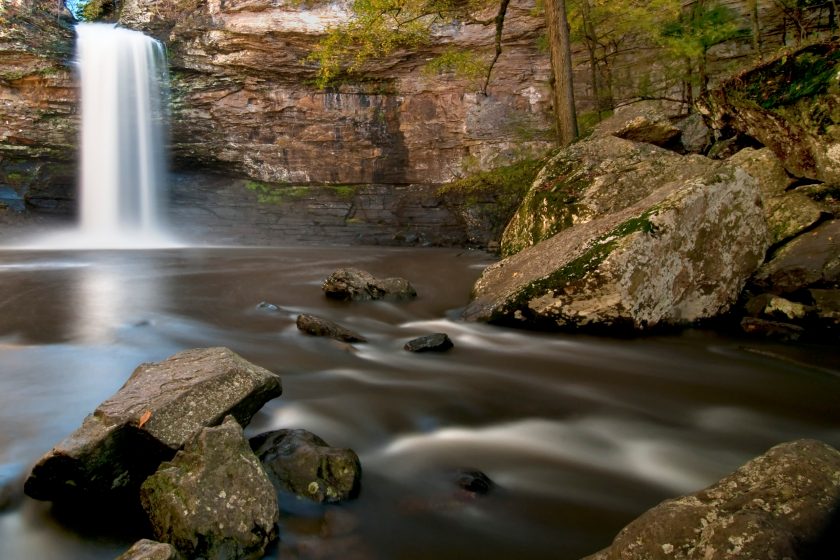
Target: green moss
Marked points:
278	194
577	269
344	191
502	183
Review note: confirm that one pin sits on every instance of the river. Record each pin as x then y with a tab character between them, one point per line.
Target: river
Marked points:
580	434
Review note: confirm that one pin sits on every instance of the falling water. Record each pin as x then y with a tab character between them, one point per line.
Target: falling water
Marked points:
123	86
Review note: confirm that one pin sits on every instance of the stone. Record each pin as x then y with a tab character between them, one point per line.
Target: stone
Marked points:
827	304
474	481
146	549
267	306
797	128
788	213
353	284
437	342
592	178
647	121
301	463
159	408
809	260
771	329
318	326
782	504
213	500
680	255
695	136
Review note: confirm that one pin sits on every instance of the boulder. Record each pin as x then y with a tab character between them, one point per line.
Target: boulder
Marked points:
437	342
213	500
778	330
473	481
650	122
769	305
695	136
788	213
353	284
680	255
146	549
789	104
299	462
160	407
811	260
783	504
827	304
592	178
318	326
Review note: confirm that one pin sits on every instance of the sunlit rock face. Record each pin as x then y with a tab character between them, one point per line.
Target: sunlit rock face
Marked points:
242	100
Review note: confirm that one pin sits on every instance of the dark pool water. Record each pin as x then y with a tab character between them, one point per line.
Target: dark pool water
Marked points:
580	434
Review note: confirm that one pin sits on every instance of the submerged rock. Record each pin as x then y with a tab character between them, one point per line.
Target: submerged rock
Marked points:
782	504
474	481
213	500
680	255
299	462
353	284
437	342
160	407
146	549
318	326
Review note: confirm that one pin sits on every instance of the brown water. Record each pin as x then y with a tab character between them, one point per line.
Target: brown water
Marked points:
580	434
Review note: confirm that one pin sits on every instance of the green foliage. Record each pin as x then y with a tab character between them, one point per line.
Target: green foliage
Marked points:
507	184
462	64
380	28
803	76
703	26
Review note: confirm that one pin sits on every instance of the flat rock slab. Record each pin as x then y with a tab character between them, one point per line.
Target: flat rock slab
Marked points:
299	462
318	326
437	342
213	500
158	409
353	284
782	504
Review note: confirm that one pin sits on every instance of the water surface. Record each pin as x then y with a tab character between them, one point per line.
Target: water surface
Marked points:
580	434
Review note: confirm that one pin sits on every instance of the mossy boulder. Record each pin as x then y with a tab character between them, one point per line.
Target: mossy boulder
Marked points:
679	255
791	104
213	500
782	504
592	178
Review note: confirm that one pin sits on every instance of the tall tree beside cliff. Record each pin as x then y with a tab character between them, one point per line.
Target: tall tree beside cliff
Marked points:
559	46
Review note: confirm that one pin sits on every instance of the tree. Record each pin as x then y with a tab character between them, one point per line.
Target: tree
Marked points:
559	46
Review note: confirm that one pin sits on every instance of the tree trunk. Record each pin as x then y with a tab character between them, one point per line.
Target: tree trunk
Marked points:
756	28
559	45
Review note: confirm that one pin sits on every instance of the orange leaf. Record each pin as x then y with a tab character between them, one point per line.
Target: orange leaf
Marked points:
144	418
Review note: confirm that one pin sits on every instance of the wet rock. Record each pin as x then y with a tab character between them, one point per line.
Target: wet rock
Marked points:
826	304
787	213
160	407
353	284
771	329
146	549
474	481
590	179
810	260
769	305
782	504
317	326
437	342
266	306
213	500
680	255
299	462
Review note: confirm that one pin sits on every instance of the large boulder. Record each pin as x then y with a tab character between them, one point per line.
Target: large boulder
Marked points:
353	284
160	407
791	104
680	255
590	179
812	260
213	500
299	462
783	504
788	213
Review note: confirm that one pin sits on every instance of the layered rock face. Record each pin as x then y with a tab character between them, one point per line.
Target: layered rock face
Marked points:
37	107
241	102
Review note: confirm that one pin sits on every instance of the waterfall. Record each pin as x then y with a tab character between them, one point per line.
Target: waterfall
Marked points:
124	86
